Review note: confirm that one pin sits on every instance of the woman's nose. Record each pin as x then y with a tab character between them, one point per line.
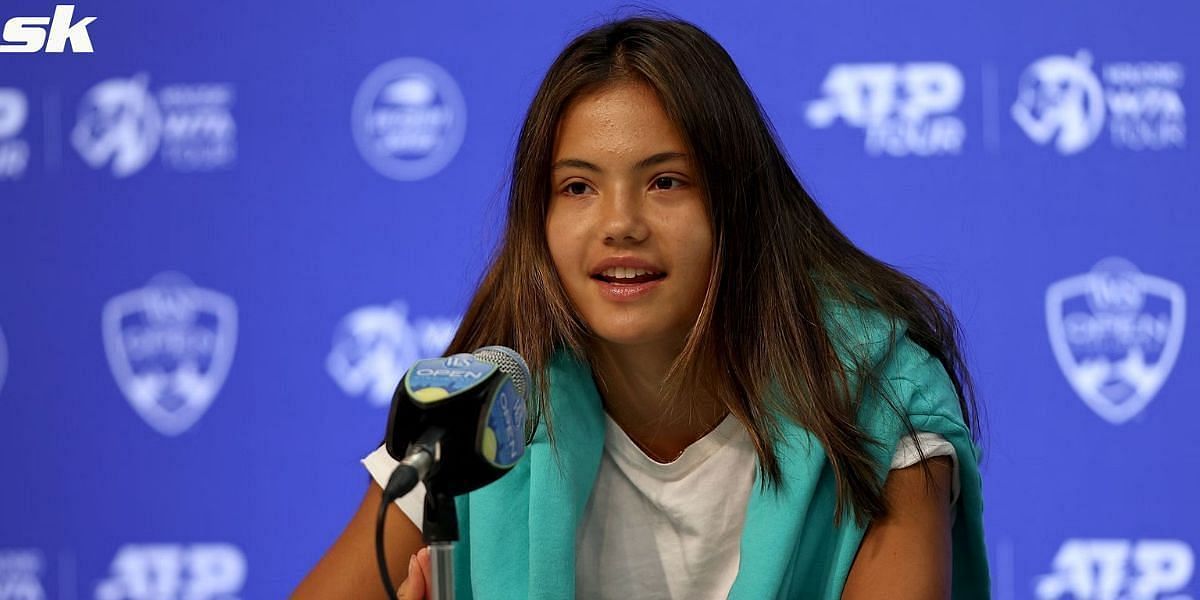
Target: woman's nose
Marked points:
623	217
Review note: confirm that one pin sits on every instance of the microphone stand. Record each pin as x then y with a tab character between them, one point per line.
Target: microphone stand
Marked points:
440	530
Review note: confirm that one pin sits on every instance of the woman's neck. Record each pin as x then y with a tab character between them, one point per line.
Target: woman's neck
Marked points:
631	379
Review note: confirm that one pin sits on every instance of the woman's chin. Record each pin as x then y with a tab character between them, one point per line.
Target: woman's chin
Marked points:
635	335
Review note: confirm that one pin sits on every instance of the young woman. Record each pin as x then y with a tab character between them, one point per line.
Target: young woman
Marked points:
731	399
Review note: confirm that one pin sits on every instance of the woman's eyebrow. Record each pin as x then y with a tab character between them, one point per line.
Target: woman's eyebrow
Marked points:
647	162
656	159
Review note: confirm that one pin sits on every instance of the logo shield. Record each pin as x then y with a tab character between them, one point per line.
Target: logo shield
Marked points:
170	345
1116	333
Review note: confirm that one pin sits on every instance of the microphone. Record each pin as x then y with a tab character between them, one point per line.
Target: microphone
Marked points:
457	423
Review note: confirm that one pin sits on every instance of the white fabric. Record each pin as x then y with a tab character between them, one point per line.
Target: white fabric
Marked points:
380	465
653	530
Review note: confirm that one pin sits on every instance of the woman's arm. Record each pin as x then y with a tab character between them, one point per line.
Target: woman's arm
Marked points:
348	569
907	554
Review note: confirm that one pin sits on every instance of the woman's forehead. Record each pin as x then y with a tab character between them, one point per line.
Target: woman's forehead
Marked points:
618	126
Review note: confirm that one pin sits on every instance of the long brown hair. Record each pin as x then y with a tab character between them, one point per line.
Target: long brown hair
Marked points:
777	261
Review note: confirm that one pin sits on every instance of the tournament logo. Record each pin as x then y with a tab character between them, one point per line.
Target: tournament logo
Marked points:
1116	333
408	119
14	151
1059	99
904	109
199	133
21	573
1065	100
1107	569
374	345
122	124
175	571
1145	104
119	125
170	345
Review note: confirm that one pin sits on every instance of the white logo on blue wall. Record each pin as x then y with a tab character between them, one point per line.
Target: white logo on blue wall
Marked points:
214	571
170	345
408	119
1111	569
1059	99
14	151
1066	101
199	133
119	126
21	573
374	345
1116	333
123	125
903	109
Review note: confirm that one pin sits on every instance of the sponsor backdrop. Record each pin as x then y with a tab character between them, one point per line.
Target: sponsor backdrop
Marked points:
228	229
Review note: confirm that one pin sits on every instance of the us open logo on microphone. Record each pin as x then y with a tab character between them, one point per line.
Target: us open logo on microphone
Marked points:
1116	333
170	345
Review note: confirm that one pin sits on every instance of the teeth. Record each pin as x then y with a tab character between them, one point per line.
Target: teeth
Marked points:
624	272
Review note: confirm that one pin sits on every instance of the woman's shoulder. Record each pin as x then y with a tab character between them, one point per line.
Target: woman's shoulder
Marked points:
876	348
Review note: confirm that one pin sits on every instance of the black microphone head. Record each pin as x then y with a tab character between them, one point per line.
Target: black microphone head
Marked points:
478	402
510	363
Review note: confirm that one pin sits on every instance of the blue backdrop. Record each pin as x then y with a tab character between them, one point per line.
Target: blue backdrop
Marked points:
213	229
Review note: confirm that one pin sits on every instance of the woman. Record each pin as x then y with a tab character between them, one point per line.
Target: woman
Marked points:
731	399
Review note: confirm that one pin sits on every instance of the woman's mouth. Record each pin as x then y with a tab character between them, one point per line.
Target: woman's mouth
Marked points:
627	275
627	283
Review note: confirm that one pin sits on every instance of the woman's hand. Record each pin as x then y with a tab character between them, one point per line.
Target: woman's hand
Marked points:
418	585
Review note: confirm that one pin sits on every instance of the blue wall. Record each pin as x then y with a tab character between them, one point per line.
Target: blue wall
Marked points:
212	231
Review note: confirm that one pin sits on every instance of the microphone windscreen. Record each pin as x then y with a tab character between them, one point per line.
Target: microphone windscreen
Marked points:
510	363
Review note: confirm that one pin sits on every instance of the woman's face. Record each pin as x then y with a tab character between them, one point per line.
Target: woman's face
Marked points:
628	227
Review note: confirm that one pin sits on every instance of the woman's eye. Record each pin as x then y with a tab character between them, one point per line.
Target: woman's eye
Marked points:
666	181
576	188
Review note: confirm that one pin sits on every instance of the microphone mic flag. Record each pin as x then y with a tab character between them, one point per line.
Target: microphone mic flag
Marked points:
477	403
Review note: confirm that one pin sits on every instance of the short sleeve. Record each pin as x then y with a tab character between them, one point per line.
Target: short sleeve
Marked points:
931	445
380	465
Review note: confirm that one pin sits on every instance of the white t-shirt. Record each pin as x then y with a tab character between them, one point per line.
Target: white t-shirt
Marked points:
653	530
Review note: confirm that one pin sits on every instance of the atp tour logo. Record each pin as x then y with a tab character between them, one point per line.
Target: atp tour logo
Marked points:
123	125
1061	100
175	571
904	109
408	119
14	151
170	345
1116	333
54	34
1111	569
374	345
21	575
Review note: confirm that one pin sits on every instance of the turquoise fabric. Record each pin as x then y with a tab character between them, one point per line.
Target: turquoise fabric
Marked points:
518	534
